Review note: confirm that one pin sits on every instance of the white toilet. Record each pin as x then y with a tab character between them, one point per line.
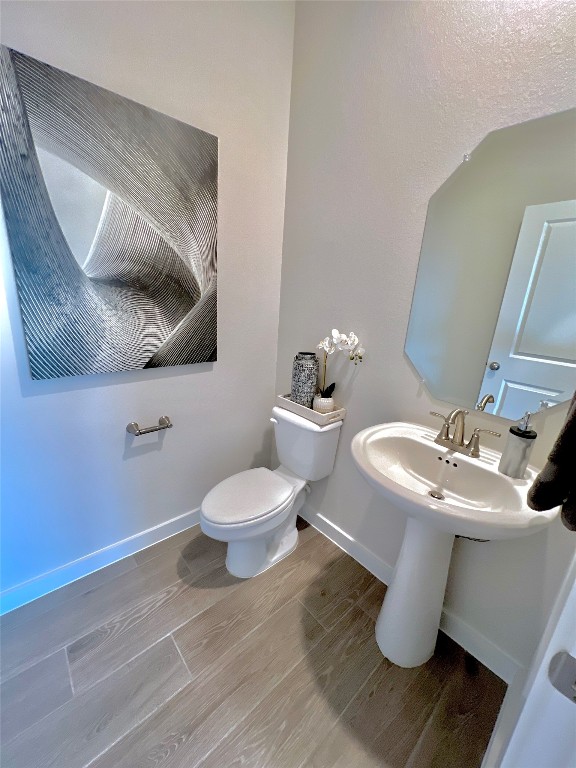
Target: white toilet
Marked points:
255	511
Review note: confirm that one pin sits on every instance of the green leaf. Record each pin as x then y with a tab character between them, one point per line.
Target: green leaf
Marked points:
328	391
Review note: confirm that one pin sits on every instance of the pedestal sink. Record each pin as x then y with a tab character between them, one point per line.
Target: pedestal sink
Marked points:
445	494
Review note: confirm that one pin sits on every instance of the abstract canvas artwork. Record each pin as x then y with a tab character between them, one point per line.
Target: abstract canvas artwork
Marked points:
111	212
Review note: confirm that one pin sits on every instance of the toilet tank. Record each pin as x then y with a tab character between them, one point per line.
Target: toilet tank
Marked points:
303	447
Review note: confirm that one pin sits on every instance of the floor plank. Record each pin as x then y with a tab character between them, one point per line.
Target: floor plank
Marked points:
130	632
186	729
24	645
458	731
206	636
83	728
46	603
348	743
33	694
401	732
439	714
180	540
335	591
371	601
281	731
377	708
199	552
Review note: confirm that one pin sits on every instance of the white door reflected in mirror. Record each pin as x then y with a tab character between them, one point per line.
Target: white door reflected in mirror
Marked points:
534	342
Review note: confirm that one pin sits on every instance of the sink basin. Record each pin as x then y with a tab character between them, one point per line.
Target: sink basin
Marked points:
470	497
445	494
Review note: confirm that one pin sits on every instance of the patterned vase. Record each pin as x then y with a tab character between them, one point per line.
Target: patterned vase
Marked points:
304	378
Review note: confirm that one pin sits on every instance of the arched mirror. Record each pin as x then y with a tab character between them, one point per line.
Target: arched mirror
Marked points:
494	306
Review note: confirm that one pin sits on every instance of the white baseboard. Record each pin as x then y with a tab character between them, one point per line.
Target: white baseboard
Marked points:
359	552
29	590
483	649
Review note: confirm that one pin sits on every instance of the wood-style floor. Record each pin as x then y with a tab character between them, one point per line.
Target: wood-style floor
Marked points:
164	659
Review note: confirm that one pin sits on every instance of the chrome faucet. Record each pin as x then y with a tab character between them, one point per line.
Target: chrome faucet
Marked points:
457	419
484	402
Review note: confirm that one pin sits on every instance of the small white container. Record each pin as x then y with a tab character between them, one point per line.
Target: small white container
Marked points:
323	404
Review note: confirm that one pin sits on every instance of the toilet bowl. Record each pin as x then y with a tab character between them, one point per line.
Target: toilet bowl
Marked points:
255	511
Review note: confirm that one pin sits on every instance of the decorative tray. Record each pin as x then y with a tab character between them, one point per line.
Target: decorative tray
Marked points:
322	419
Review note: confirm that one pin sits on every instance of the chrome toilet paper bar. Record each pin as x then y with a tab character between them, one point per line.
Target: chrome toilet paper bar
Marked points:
163	423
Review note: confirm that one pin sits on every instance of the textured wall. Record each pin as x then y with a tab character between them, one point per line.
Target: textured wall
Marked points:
386	99
74	482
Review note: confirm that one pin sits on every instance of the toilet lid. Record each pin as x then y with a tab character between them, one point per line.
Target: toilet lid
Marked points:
247	496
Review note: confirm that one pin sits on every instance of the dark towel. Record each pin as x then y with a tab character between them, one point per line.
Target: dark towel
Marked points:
556	483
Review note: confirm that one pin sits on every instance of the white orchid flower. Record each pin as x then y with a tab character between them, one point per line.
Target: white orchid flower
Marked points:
356	354
327	345
349	342
340	341
337	338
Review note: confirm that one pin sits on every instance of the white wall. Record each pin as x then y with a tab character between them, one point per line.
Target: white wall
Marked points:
386	99
74	482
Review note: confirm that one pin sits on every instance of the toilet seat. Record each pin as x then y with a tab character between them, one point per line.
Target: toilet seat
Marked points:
248	497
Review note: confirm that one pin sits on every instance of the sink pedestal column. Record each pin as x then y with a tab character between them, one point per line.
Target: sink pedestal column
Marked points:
408	623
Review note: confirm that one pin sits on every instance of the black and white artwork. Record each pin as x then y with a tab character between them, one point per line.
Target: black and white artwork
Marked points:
111	213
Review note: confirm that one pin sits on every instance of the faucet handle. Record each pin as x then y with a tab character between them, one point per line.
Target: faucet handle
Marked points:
443	434
473	445
488	432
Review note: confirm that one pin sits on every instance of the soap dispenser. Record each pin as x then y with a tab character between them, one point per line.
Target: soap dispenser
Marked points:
518	448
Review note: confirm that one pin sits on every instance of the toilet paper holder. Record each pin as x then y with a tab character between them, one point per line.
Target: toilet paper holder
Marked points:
163	423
